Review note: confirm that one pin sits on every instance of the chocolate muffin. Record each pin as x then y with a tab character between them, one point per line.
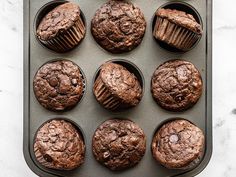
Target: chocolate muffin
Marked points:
58	145
178	145
62	28
58	85
119	144
176	85
118	26
117	88
177	28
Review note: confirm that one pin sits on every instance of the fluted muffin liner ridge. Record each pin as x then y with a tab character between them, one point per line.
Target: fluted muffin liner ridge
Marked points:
104	96
194	163
191	165
41	160
174	35
67	40
39	157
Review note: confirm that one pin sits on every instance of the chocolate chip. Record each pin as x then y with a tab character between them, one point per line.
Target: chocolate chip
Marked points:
106	155
179	98
53	81
55	14
174	138
48	158
74	82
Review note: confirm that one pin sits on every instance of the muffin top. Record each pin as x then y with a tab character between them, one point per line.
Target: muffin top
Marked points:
118	26
176	85
58	85
58	20
58	145
121	83
119	144
177	144
180	18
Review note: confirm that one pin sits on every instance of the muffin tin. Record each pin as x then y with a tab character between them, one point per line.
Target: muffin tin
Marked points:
88	114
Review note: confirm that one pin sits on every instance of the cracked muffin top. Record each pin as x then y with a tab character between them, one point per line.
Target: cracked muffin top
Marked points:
176	85
119	144
121	83
58	85
58	145
58	20
178	144
118	26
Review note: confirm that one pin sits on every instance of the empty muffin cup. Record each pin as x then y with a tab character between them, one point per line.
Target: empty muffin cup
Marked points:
177	26
60	26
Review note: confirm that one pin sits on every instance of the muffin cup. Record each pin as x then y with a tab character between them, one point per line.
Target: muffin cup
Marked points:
68	39
105	97
39	158
84	84
128	154
192	164
174	37
65	40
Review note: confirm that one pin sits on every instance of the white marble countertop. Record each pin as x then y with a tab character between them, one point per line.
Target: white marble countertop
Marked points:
223	162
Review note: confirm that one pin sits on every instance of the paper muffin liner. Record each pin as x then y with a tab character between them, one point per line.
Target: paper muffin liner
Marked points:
194	163
68	39
174	35
40	159
104	96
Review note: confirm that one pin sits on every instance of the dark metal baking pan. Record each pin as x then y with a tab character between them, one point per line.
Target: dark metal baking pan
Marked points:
88	114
